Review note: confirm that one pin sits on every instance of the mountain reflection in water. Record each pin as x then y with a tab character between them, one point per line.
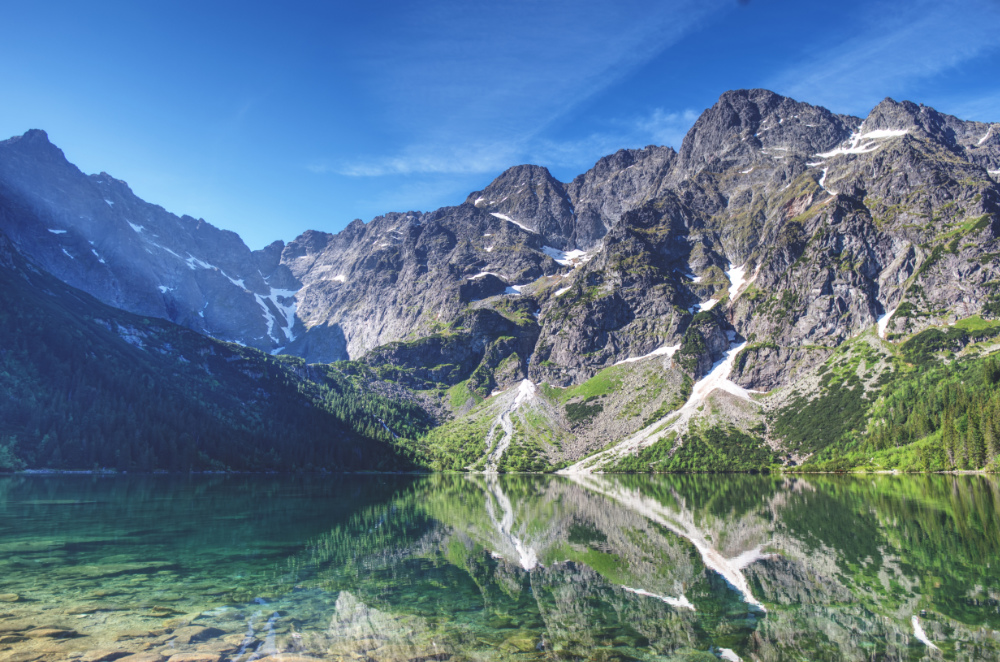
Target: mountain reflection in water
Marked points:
486	567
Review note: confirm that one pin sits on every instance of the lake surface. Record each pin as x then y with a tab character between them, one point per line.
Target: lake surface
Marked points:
453	567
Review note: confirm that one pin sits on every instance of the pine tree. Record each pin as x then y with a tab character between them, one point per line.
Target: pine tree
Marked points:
990	436
976	453
948	441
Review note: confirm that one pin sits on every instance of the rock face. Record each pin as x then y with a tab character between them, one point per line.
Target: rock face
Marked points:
785	224
96	235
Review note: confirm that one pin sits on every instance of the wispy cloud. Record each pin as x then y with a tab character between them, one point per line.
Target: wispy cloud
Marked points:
659	127
473	87
667	128
426	159
984	108
896	45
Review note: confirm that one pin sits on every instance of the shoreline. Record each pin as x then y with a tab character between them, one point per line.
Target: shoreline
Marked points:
112	472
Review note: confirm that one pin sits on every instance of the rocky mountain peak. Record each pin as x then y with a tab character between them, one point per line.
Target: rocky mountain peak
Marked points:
898	116
531	197
32	138
94	233
977	141
33	147
617	182
611	164
744	122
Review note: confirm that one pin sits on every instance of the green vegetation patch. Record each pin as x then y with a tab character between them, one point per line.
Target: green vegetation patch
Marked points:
937	417
926	346
809	425
459	394
586	395
708	449
673	404
458	443
969	226
603	383
525	452
581	412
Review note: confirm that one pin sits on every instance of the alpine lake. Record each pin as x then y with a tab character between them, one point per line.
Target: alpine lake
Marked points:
404	568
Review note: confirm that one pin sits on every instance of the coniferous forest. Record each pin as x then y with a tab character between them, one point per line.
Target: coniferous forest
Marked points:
940	417
85	386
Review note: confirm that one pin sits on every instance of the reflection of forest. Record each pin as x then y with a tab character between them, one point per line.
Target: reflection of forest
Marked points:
495	567
639	566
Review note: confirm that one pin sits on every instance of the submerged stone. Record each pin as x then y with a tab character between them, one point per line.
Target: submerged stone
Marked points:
103	655
149	656
195	657
19	625
195	633
51	633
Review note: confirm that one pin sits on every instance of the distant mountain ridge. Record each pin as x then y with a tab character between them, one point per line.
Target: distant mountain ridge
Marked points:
777	234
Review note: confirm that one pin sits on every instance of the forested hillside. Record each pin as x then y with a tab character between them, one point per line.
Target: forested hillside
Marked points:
83	385
934	416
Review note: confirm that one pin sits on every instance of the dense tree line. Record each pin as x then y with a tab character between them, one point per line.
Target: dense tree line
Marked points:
959	404
937	417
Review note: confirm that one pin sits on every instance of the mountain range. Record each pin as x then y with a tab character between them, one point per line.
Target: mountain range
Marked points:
757	298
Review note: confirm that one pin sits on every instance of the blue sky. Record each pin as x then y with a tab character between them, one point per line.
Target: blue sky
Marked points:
273	118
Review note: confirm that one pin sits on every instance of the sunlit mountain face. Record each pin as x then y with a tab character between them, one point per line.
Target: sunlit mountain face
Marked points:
502	567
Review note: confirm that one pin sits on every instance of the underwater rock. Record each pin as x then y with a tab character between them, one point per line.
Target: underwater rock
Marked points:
195	657
77	610
103	656
16	626
51	633
140	634
113	569
150	656
195	633
160	611
217	646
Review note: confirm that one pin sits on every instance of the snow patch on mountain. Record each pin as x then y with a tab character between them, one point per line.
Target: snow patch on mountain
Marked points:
863	143
661	351
989	132
286	310
504	217
883	323
716	379
737	278
525	392
566	258
920	634
681	602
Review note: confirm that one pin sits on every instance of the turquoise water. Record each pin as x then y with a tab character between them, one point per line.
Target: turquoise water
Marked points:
453	567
